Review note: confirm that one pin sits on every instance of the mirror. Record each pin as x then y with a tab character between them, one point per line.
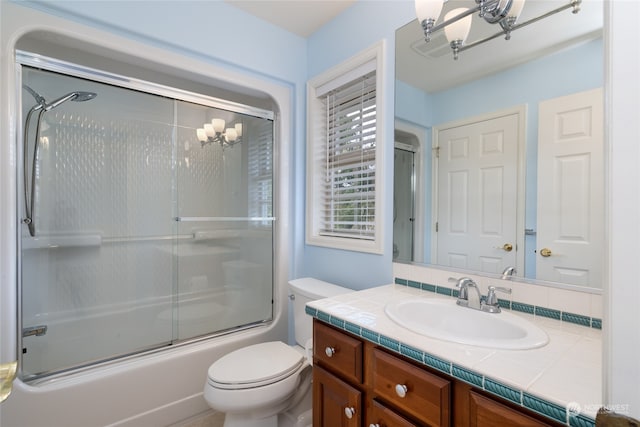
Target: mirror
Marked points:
551	215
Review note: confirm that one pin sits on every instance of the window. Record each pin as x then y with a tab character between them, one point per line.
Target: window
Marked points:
344	155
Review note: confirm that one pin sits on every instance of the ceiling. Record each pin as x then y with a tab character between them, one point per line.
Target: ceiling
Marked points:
301	17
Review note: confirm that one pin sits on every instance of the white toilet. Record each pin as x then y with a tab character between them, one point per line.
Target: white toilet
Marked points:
269	384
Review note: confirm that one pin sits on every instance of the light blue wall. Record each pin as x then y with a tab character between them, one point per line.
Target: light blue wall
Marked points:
413	105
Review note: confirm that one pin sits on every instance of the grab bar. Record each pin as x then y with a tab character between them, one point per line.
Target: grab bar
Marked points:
62	241
222	218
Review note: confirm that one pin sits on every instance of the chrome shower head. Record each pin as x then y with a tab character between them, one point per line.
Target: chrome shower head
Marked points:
73	96
84	96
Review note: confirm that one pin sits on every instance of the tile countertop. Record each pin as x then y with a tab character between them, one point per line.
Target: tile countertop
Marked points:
562	380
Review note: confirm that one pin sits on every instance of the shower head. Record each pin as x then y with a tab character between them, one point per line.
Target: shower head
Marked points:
73	96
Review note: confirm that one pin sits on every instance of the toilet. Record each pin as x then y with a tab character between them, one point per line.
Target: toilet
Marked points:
269	384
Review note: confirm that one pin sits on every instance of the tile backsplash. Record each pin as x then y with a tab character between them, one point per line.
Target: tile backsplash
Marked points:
574	306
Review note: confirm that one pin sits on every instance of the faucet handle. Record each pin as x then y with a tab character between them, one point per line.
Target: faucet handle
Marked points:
492	299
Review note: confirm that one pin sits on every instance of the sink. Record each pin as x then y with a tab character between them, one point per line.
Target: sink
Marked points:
445	320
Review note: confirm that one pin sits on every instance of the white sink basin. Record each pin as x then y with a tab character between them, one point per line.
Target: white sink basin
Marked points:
444	320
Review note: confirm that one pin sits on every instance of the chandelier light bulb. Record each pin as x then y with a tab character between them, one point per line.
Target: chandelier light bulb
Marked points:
516	9
202	135
230	134
238	127
209	131
218	125
428	9
459	30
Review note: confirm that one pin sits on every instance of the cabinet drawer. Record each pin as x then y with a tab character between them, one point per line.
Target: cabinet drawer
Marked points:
486	412
402	385
335	350
379	415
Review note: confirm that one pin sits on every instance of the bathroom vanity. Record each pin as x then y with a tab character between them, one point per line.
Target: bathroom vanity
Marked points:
371	372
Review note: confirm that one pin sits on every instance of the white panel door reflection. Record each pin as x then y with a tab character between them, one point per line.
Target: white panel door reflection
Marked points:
477	194
570	189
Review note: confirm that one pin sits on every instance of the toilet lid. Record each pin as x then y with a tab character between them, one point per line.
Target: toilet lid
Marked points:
255	365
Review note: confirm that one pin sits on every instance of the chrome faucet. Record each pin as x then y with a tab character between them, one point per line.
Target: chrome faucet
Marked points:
508	273
467	298
469	295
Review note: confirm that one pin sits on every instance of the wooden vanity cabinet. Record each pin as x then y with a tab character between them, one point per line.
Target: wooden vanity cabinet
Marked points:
359	384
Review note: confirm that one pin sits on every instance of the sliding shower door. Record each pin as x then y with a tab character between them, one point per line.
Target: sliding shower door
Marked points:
136	234
224	218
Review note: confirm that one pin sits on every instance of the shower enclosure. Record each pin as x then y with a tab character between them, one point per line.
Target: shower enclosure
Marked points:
142	228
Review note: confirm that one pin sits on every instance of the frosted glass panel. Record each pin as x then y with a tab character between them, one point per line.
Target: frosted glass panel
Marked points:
144	237
227	210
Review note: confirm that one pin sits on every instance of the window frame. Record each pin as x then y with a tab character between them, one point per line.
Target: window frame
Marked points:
343	73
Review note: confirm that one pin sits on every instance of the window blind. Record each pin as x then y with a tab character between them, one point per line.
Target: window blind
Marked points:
348	192
260	168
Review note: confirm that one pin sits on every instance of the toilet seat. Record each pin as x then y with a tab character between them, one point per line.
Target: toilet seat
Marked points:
255	366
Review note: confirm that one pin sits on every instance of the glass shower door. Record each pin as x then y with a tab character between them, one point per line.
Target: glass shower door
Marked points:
140	235
91	283
225	224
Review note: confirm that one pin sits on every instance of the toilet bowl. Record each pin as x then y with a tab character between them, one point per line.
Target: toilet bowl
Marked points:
269	384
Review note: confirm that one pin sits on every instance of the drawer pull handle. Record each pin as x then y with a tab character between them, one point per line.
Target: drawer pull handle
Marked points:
401	390
374	425
349	412
329	351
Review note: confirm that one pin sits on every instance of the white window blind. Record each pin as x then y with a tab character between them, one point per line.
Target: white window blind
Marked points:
260	168
348	196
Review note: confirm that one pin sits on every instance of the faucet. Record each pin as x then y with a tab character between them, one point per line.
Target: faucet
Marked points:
469	295
508	273
468	298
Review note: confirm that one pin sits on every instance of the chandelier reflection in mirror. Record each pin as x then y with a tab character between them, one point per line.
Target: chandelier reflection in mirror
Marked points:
457	22
215	132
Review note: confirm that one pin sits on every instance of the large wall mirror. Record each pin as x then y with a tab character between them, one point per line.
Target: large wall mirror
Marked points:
499	154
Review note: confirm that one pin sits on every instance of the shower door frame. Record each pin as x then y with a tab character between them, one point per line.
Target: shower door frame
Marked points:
24	58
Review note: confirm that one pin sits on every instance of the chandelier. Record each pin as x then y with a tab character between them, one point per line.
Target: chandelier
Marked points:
215	132
457	22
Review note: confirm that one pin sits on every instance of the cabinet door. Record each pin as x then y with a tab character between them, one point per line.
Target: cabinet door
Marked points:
335	403
379	415
486	412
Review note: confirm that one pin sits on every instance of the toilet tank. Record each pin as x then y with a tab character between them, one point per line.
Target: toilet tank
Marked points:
304	290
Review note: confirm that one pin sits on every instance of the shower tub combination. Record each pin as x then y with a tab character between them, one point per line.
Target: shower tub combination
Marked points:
144	225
